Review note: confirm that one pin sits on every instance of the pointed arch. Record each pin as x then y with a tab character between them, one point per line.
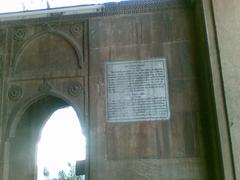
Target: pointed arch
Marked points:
61	143
66	37
17	114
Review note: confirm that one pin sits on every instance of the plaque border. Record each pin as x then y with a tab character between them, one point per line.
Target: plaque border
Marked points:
129	120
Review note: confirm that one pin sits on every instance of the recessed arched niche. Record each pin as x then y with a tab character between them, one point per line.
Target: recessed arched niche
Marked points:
47	53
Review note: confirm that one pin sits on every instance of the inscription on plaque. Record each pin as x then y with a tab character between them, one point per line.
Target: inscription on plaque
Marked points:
137	90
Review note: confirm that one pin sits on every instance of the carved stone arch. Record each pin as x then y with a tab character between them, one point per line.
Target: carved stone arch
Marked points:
69	39
16	115
24	132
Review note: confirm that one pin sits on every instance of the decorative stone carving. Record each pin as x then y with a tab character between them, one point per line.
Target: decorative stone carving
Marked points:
76	29
75	89
48	27
15	93
19	34
139	6
45	87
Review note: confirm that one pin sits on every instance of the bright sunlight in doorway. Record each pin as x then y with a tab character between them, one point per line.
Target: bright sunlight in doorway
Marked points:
61	145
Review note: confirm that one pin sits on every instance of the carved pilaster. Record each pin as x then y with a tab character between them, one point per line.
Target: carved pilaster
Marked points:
2	40
2	49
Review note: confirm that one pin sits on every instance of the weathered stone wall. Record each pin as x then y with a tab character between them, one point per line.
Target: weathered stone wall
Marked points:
65	57
121	151
227	21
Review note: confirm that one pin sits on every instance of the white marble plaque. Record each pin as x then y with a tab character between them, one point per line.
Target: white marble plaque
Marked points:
137	90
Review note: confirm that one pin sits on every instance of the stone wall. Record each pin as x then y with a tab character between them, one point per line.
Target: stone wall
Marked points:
227	21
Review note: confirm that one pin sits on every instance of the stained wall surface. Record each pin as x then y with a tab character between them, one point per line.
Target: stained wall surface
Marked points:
171	149
227	17
66	58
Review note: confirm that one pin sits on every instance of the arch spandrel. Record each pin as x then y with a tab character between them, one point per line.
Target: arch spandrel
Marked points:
50	51
70	90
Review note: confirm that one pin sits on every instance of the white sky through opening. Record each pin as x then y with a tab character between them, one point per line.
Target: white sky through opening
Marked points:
7	6
61	142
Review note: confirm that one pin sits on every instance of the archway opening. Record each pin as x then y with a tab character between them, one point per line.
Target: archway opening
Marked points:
61	145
